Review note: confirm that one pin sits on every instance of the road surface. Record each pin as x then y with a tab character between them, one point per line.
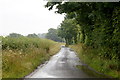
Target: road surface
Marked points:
61	65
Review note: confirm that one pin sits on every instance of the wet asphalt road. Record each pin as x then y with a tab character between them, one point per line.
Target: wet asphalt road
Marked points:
61	65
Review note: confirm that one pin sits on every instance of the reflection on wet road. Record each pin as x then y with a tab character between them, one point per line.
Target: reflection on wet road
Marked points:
61	65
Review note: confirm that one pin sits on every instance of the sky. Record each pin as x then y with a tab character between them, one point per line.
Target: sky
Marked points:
27	17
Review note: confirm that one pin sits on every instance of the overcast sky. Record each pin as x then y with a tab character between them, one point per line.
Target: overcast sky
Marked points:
26	17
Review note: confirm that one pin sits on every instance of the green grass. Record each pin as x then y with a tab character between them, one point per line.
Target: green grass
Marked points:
0	57
103	65
21	56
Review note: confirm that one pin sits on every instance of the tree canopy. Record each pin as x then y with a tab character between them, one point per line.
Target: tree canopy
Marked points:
14	35
53	35
94	24
32	35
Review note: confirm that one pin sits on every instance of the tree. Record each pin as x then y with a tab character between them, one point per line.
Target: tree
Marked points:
43	35
69	30
32	35
15	35
99	24
52	34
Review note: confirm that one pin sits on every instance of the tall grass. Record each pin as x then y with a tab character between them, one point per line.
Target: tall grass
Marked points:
20	56
0	57
101	64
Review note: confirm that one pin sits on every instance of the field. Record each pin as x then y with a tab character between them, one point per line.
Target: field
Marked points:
20	56
103	65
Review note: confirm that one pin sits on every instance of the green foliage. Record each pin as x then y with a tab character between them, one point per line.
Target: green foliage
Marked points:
101	64
53	35
99	26
21	56
22	43
15	35
43	35
69	30
32	35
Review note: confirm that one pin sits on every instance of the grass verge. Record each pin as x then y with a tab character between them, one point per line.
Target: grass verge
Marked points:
90	56
21	56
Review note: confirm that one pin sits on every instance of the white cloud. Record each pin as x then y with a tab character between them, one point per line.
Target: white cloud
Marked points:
26	16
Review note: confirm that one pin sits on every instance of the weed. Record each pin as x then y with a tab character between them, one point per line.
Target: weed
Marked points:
22	55
101	64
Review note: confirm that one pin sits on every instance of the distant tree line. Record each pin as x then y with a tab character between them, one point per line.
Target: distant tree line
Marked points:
52	35
16	35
